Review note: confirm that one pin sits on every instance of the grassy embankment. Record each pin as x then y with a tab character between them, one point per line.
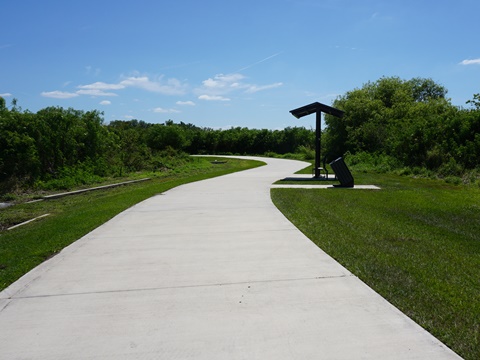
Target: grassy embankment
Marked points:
72	217
416	242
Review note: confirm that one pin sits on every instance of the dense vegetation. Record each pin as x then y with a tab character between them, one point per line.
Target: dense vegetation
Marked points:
407	124
63	148
391	123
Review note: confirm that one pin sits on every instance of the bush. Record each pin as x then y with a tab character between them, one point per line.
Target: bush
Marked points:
454	180
69	177
307	152
364	161
450	168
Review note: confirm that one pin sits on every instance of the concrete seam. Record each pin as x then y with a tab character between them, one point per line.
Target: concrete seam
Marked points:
181	287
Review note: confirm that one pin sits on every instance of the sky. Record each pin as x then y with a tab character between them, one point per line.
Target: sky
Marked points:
222	64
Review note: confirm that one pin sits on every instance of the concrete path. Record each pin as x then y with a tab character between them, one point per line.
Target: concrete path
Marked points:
208	270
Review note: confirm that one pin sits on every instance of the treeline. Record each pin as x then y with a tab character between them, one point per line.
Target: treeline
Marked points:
407	123
397	123
56	142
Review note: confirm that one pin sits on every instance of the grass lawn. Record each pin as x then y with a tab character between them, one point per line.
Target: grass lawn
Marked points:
416	242
72	217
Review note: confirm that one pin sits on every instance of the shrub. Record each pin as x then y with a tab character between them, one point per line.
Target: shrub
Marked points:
454	180
364	161
307	152
450	168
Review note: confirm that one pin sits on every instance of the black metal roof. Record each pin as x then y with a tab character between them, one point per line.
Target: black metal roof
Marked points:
314	107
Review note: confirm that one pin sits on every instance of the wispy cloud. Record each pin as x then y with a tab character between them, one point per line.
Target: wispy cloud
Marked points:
340	47
376	16
59	94
217	87
213	98
470	62
101	86
168	87
162	110
95	92
259	62
185	103
223	82
5	95
105	102
254	88
92	71
158	85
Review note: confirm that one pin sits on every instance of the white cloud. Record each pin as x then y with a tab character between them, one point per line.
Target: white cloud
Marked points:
213	98
5	95
254	88
101	86
216	88
105	102
95	92
221	81
185	103
170	87
59	94
470	62
162	110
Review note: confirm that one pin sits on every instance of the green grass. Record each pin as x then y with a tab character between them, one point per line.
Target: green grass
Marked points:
72	217
416	242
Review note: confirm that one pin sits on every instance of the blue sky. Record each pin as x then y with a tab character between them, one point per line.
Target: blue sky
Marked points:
228	63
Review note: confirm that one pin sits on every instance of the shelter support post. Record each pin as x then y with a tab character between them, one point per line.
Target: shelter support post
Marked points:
317	108
318	143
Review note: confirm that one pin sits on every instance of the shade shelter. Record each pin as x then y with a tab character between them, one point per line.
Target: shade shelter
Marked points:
317	108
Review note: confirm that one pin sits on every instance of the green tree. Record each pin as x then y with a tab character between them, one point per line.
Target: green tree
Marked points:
161	137
133	154
18	153
403	119
3	106
475	101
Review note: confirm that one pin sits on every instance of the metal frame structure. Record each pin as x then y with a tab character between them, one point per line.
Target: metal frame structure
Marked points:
317	108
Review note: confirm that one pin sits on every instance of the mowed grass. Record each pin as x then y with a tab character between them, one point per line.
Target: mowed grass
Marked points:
72	217
416	242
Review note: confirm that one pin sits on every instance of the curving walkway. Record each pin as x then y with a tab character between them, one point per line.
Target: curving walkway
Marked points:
208	270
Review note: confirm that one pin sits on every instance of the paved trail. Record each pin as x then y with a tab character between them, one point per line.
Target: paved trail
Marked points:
208	270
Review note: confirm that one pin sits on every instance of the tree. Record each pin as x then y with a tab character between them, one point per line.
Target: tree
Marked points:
18	153
160	137
426	89
475	101
3	105
400	118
